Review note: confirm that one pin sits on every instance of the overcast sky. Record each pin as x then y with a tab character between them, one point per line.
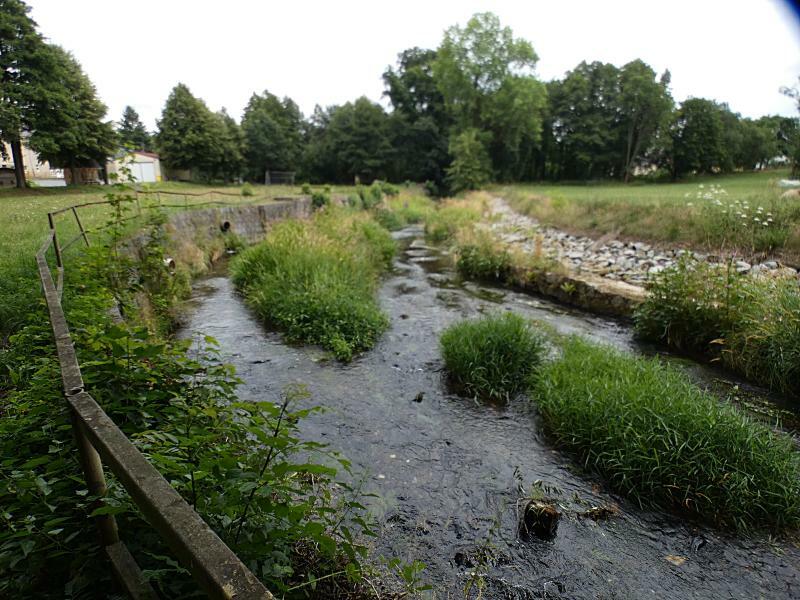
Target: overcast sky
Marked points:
737	51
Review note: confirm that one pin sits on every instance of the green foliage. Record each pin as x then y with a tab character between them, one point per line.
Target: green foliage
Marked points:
241	465
354	201
751	325
131	131
444	223
306	189
410	209
247	190
320	199
316	280
389	219
389	189
471	168
660	440
481	257
493	357
697	137
370	196
272	131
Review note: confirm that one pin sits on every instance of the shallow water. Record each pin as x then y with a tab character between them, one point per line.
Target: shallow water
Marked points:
451	474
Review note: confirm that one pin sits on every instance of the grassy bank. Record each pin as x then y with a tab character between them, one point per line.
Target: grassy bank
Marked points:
238	464
686	213
316	280
751	325
660	440
24	217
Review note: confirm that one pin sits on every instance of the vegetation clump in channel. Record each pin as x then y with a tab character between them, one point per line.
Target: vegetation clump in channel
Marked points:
492	357
750	324
316	280
661	440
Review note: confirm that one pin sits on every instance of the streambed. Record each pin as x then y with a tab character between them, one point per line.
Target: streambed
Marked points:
451	474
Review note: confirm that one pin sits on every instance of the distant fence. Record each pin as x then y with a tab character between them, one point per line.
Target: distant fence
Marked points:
216	569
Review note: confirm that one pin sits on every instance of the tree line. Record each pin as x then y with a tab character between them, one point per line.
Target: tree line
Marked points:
469	112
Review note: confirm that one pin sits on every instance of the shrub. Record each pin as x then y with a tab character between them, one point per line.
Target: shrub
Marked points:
389	219
320	199
480	256
316	280
751	325
444	223
354	201
389	189
411	209
247	190
492	357
306	189
660	440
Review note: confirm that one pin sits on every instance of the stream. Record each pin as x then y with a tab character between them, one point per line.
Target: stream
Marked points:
450	474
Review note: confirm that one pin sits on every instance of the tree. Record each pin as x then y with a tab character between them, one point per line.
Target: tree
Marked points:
131	131
26	66
793	139
644	104
486	77
586	122
189	134
349	141
419	124
697	138
68	129
471	167
273	134
232	164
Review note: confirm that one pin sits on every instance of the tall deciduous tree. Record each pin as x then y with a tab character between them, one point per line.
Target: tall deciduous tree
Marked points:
645	105
486	77
471	168
232	143
419	124
697	138
273	134
68	128
189	134
132	132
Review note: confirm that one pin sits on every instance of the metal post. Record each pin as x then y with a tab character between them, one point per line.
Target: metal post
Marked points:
80	226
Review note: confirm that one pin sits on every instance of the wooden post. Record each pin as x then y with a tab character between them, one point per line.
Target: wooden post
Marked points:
56	247
80	225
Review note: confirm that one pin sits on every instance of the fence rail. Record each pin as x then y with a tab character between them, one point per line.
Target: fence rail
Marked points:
214	566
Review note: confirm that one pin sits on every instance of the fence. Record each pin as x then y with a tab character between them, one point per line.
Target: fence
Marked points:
217	570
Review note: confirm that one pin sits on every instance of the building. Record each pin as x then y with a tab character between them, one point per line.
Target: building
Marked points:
35	170
145	167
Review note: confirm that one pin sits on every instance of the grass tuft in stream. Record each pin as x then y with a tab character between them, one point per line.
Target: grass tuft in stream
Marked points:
316	280
661	440
492	357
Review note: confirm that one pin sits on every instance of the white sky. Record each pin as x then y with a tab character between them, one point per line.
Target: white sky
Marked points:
329	52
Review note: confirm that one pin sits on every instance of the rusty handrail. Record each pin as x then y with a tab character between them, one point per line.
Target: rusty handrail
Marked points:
214	566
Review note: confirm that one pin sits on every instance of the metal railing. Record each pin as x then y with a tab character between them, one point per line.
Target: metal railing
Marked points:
217	570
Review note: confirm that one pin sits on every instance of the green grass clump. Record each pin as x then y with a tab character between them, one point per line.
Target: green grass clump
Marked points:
480	256
316	280
751	325
452	216
492	357
661	440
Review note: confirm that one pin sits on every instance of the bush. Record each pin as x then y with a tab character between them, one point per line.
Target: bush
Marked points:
354	201
661	440
751	325
389	189
411	209
480	256
389	219
247	190
306	189
316	280
443	224
320	199
492	357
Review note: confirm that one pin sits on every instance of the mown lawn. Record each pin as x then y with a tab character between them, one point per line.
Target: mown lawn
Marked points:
23	214
668	212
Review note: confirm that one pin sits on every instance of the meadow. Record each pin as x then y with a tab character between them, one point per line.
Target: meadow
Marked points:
683	213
